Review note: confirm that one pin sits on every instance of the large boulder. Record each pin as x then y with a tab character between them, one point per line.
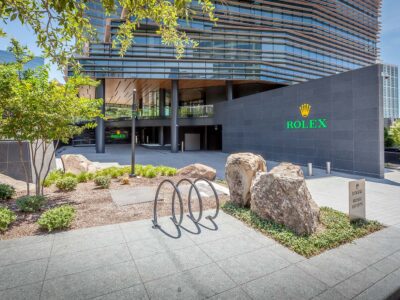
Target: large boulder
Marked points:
282	196
77	163
198	171
240	170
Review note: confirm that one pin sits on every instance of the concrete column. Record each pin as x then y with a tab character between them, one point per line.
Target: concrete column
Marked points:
205	138
229	90
161	135
162	102
174	116
100	128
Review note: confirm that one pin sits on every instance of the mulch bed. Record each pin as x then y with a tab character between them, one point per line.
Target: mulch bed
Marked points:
95	207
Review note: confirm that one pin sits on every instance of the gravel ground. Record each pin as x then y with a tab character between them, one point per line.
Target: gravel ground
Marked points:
95	207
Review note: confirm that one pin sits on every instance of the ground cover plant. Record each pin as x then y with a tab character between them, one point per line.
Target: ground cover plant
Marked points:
6	191
102	181
30	203
337	230
57	218
147	171
6	218
66	183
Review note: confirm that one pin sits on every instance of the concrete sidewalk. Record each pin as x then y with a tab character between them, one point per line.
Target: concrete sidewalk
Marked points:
230	261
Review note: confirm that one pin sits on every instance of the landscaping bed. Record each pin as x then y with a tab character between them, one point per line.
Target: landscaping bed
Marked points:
93	205
335	230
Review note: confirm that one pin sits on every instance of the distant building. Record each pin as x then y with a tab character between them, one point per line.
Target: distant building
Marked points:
7	57
391	101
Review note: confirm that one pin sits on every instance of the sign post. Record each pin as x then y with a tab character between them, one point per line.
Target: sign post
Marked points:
357	199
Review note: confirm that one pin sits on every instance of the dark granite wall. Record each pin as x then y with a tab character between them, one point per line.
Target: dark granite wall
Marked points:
10	162
351	104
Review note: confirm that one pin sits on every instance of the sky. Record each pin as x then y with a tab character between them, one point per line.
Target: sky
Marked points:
390	37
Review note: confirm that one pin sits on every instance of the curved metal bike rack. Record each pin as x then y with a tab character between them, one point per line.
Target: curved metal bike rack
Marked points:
177	192
192	185
215	195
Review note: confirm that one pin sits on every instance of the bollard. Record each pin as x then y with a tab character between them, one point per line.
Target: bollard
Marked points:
147	139
182	146
328	167
310	169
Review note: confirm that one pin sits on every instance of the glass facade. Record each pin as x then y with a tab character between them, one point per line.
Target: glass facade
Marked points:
8	57
391	101
283	42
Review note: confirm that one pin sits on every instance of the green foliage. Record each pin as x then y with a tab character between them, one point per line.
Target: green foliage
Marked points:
39	110
57	218
6	218
338	230
150	171
31	203
394	132
102	181
6	191
66	184
82	177
62	28
389	142
53	177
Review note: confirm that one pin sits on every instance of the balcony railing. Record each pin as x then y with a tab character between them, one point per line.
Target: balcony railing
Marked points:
198	111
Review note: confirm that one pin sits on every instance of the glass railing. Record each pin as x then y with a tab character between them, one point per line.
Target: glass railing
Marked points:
198	111
124	113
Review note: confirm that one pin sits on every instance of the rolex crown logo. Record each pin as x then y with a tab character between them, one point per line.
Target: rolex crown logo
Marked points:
305	110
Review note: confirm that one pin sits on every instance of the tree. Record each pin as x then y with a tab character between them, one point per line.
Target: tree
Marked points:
394	132
388	138
40	111
62	28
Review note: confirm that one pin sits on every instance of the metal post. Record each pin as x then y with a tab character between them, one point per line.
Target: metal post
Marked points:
328	167
182	146
100	128
174	116
310	170
133	142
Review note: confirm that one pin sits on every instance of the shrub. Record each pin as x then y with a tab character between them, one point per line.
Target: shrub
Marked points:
6	218
6	191
126	169
114	174
171	172
53	177
102	181
66	184
31	203
82	177
151	173
57	218
90	176
69	174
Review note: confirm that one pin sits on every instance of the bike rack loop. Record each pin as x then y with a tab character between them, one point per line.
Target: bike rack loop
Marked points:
176	191
192	185
215	194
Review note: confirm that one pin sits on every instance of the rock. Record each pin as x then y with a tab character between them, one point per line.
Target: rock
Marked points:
282	196
240	170
19	185
77	163
198	171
